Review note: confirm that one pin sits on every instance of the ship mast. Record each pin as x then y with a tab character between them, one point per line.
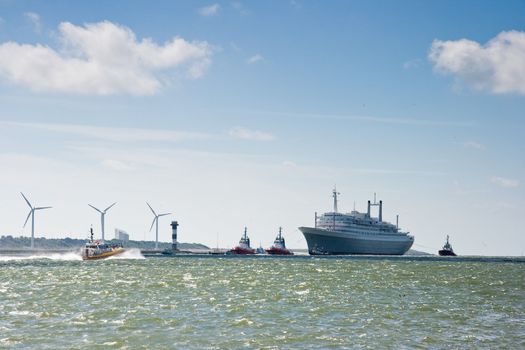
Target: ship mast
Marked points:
246	239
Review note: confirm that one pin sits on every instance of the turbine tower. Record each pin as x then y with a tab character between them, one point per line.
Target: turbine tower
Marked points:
102	215
32	214
156	221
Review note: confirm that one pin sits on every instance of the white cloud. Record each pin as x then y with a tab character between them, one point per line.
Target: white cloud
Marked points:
115	134
246	134
100	58
474	145
117	165
255	58
370	119
34	18
235	47
415	63
380	171
211	10
498	66
468	188
239	7
503	182
289	164
505	205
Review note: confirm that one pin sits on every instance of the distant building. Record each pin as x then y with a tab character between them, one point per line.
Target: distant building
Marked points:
121	235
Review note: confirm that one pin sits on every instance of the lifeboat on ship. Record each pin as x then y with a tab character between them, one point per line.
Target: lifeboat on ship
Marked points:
243	248
279	246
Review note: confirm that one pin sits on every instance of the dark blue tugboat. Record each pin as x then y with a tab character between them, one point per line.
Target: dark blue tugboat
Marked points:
447	250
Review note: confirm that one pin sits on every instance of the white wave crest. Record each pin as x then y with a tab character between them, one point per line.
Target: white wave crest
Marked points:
68	256
128	254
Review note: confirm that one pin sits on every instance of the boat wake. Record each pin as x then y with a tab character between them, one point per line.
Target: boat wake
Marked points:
69	256
128	254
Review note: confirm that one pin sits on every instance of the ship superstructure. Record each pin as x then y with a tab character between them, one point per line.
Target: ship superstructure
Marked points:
336	233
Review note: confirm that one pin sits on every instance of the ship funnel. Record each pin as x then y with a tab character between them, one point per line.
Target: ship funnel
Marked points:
375	204
335	193
174	225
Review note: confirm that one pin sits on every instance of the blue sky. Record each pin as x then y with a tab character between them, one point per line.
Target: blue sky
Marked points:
247	113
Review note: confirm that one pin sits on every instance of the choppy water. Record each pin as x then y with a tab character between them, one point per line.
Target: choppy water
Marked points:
61	302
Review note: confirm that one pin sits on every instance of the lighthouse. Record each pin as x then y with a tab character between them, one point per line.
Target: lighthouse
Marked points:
174	225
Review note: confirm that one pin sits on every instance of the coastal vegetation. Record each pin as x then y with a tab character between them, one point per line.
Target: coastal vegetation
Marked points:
10	242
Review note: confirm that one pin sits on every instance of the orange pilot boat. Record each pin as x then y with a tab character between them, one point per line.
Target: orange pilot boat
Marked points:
95	250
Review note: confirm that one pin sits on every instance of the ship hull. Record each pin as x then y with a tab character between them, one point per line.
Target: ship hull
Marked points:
242	251
444	252
324	242
278	251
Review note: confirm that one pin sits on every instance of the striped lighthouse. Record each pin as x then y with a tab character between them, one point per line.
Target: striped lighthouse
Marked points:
174	225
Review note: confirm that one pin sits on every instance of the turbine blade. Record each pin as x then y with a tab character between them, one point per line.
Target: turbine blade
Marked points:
153	223
164	214
95	208
153	211
105	210
30	206
42	208
28	215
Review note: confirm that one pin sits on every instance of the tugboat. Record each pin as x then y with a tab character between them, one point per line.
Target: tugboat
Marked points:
447	250
243	247
279	247
260	249
95	250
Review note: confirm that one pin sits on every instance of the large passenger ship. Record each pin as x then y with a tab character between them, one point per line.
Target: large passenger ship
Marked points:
335	233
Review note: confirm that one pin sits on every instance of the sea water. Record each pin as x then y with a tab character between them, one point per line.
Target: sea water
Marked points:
61	302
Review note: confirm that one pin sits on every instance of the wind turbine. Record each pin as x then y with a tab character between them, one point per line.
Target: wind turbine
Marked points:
32	214
156	221
102	215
